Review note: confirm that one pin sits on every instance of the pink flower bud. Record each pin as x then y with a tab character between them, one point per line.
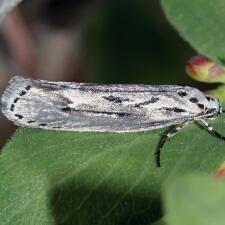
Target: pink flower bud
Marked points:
203	69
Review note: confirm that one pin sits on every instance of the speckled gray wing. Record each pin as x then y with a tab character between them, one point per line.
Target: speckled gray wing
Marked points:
93	107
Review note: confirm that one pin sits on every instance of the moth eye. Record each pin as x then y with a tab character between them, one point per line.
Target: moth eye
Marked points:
211	111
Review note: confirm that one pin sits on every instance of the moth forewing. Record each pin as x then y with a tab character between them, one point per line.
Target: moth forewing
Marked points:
93	107
112	108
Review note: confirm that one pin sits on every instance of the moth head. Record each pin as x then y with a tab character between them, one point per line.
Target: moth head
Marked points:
214	108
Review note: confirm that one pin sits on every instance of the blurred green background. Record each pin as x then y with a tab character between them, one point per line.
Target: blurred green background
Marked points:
131	41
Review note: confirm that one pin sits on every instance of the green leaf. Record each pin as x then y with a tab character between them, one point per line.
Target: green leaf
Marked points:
201	23
218	92
195	200
50	177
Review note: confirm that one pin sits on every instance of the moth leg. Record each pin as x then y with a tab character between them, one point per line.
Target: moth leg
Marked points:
166	138
211	129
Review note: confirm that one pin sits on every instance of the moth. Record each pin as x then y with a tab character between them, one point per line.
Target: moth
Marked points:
107	108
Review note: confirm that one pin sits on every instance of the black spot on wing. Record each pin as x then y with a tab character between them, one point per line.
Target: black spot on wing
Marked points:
178	110
182	93
42	124
22	93
174	109
12	107
115	99
193	100
152	100
30	121
28	87
201	106
66	109
16	100
120	114
19	116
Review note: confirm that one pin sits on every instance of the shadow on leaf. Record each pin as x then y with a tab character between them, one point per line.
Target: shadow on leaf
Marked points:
72	203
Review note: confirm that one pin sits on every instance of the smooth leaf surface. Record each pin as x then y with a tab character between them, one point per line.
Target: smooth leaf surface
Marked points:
201	23
50	177
195	200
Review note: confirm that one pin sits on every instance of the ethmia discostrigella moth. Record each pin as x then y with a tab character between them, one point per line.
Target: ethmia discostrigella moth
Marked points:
107	108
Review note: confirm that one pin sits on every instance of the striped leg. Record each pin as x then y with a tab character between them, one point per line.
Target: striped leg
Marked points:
211	130
166	138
